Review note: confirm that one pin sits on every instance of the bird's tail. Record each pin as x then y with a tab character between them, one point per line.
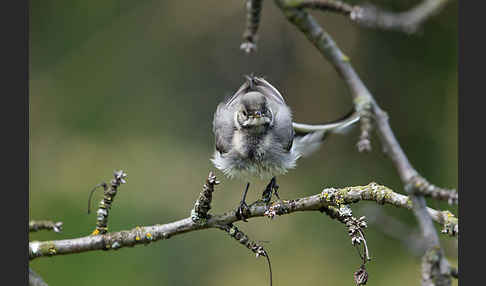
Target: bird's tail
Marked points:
308	138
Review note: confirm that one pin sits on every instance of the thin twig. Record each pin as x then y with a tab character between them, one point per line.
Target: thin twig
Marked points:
373	17
253	11
36	225
243	239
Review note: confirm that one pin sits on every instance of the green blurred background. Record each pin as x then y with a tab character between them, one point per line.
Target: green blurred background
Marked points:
132	85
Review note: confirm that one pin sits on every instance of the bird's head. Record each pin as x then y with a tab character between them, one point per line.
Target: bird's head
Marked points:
252	112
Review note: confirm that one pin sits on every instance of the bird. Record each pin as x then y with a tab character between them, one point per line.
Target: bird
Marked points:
255	136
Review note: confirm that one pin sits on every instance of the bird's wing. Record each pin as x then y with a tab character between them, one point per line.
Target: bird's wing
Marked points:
282	124
223	126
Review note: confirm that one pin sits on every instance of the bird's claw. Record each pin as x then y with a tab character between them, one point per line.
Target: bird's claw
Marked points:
272	188
243	211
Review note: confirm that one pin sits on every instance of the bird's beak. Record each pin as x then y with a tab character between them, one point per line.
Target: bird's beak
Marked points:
257	114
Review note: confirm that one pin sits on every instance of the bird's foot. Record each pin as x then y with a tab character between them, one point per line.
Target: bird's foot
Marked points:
270	190
243	211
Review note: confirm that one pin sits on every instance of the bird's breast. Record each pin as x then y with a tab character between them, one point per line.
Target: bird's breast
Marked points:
249	146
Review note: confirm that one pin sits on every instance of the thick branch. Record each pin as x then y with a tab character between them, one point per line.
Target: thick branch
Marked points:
144	235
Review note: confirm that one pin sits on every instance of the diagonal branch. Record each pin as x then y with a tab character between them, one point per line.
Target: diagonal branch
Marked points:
440	274
35	279
145	235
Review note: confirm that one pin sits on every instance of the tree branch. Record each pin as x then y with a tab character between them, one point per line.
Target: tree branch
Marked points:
36	225
144	235
35	279
363	100
253	11
107	201
374	17
408	21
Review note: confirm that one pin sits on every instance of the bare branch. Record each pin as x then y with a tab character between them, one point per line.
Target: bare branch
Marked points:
423	187
323	5
107	201
36	225
408	21
362	99
144	235
35	279
253	11
243	239
374	17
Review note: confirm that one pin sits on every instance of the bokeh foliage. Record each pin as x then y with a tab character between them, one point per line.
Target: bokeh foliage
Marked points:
133	85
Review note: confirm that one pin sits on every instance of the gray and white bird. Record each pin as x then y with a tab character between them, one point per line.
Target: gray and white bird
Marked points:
255	136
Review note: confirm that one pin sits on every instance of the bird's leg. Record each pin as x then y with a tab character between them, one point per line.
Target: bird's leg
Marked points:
243	209
271	189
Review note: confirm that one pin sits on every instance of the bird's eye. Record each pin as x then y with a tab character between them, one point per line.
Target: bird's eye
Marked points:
244	113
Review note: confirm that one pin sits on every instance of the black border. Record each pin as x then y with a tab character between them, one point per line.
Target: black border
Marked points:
14	116
471	122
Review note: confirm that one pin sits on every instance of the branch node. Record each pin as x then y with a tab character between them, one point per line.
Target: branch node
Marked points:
422	187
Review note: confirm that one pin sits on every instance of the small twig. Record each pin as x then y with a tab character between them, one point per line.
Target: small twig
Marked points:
35	279
36	225
243	239
323	5
355	231
423	187
107	201
253	11
199	213
407	22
